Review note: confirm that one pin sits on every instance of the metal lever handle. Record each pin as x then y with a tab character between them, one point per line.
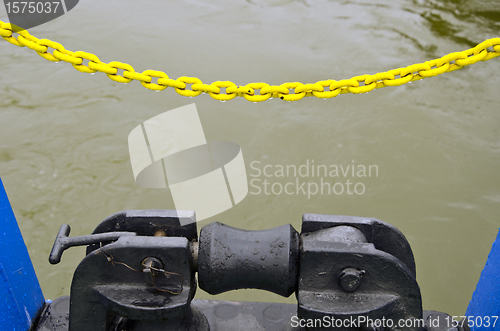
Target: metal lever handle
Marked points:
63	242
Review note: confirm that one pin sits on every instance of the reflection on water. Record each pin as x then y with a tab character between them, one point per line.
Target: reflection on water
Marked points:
460	20
63	137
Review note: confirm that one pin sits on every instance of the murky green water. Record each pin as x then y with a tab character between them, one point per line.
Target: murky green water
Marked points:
436	143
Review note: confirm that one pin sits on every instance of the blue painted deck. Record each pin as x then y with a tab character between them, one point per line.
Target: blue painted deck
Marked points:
20	295
486	298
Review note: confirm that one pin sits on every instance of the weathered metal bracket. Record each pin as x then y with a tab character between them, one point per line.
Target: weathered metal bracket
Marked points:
139	274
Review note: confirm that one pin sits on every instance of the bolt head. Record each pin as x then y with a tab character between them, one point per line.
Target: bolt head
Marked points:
350	279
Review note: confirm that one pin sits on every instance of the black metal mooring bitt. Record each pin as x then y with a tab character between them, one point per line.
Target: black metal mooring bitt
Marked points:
356	266
139	273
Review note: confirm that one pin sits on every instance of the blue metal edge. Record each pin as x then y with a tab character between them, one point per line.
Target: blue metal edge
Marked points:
21	297
484	307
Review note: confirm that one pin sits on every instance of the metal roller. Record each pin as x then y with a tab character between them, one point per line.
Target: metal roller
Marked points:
231	259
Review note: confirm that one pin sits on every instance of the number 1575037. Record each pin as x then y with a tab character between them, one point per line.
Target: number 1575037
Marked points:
31	7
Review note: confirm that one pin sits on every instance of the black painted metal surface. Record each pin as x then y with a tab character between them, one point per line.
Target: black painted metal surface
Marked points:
230	316
139	274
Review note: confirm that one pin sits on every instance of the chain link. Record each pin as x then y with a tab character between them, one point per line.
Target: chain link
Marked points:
255	92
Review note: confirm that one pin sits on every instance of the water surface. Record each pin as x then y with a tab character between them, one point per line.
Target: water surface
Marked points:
63	137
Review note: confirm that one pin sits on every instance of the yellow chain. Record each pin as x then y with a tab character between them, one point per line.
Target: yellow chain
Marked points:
324	89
